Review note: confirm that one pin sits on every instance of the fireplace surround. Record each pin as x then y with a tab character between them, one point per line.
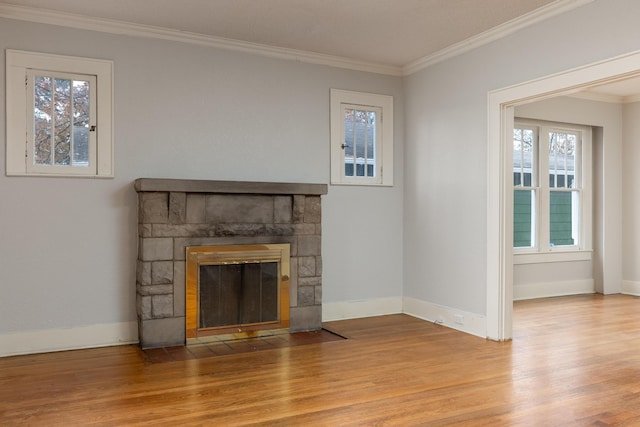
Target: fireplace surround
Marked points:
174	214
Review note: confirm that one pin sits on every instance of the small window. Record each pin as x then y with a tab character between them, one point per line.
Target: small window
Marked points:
361	138
67	129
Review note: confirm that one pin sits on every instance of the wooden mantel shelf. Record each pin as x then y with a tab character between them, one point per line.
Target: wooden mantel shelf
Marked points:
227	187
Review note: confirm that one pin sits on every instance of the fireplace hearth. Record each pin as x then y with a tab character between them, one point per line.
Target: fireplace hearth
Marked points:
174	215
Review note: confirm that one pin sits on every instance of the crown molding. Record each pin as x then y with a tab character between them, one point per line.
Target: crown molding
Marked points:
603	97
552	9
83	22
599	97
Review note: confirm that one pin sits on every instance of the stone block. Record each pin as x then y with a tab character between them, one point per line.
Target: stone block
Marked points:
312	209
143	273
306	296
304	229
279	229
318	291
195	211
298	209
306	318
143	304
309	245
151	290
156	249
179	291
310	281
183	230
145	230
154	207
319	266
240	230
177	208
161	272
162	332
307	266
161	306
235	209
282	209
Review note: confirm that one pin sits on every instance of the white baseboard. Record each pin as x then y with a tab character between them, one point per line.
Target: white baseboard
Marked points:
631	288
357	309
44	341
553	289
471	323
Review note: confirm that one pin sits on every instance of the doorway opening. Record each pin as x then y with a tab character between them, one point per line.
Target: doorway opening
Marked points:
502	103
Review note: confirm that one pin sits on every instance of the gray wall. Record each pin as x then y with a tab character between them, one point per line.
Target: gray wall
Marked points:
68	246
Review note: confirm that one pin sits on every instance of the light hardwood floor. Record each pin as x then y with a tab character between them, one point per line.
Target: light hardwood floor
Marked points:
574	361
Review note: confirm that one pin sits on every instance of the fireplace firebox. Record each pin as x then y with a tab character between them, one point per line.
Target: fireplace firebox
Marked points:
237	289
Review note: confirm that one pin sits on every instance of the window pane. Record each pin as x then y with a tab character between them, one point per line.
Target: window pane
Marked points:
523	218
523	152
63	121
359	142
81	113
42	115
563	218
562	151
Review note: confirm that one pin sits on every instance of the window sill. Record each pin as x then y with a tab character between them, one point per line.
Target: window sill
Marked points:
544	257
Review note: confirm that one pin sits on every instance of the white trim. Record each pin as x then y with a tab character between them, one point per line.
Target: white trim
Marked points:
48	340
499	191
553	289
110	26
363	308
545	257
630	287
464	321
18	63
545	12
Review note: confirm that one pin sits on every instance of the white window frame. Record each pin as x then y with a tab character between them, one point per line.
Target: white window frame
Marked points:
341	99
19	108
542	252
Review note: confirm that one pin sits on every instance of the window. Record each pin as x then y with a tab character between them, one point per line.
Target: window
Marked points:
552	187
361	138
59	115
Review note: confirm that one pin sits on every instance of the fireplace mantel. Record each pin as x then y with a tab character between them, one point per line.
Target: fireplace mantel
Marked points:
174	214
228	187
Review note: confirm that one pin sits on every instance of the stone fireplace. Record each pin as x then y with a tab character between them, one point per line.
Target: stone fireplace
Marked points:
174	215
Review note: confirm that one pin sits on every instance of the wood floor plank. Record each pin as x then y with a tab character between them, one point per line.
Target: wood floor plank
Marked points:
574	361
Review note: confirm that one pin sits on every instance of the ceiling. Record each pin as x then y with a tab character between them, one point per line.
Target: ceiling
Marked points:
389	33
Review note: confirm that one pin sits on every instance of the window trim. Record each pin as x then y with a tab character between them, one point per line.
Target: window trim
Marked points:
17	65
384	159
582	251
